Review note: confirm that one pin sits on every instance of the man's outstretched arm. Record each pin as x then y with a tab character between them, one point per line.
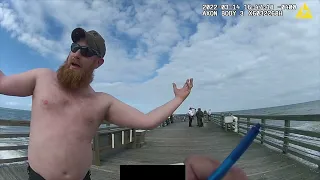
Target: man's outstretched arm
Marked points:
19	84
122	114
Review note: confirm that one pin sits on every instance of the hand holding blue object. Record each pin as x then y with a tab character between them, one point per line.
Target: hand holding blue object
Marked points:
221	171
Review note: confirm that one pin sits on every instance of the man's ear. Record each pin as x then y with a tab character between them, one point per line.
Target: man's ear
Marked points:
100	62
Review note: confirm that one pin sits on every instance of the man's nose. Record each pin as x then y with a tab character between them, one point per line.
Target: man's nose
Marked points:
77	54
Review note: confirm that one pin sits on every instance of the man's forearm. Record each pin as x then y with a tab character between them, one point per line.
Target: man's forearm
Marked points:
160	114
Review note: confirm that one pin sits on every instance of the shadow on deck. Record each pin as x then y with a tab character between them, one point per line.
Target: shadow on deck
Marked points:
172	144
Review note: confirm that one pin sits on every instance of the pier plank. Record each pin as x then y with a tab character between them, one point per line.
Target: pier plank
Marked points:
173	143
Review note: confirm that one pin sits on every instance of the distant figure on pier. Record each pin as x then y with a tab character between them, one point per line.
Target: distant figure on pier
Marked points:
199	115
67	111
168	121
232	120
191	114
205	116
235	123
194	114
209	114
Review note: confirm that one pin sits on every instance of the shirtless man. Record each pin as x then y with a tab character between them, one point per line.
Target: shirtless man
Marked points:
66	111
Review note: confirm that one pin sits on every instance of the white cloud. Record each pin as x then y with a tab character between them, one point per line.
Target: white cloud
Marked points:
260	61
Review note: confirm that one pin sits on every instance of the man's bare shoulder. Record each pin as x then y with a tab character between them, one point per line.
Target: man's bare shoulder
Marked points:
38	72
105	100
104	97
43	71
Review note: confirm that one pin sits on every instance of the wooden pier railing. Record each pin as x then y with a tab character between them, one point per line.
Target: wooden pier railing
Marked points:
278	133
106	141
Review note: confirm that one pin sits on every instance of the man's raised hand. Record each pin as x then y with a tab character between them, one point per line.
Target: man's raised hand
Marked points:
183	92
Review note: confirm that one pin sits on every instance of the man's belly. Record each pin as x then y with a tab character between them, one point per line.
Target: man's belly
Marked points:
59	155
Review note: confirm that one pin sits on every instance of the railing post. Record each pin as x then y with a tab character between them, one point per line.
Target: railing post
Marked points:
263	123
134	139
96	149
221	121
248	125
286	136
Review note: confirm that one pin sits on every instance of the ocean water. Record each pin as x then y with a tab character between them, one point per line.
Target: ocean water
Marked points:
295	109
312	107
14	114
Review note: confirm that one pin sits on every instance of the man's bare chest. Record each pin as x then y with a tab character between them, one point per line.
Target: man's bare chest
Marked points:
49	100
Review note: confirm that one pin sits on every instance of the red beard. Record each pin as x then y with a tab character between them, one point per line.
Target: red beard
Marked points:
74	78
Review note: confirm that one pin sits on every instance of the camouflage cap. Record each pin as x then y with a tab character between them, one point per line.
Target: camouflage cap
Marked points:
93	38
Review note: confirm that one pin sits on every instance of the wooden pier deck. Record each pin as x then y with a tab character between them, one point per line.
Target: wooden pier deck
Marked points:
172	144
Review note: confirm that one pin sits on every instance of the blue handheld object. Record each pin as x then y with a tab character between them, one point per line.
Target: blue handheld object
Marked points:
221	171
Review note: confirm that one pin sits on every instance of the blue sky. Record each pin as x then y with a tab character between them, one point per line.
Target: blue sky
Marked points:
236	62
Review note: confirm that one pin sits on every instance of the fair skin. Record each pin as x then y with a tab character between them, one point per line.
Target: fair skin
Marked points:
201	167
64	121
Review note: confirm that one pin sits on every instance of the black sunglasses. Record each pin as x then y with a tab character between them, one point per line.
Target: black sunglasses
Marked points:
84	50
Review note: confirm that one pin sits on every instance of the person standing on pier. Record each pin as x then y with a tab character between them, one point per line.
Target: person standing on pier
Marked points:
205	116
199	115
209	115
171	118
67	112
190	115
